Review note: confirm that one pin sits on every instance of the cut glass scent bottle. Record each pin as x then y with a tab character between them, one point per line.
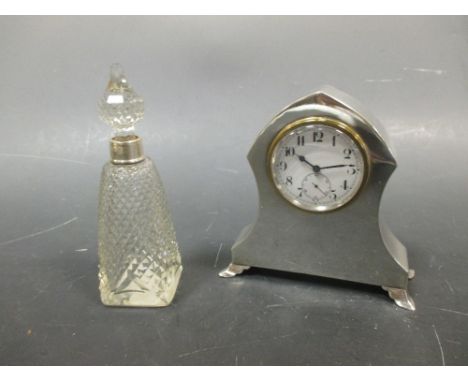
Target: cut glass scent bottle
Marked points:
139	260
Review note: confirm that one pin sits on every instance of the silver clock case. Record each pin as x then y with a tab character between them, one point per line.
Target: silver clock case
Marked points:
351	243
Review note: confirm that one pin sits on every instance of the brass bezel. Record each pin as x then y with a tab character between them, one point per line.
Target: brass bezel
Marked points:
339	125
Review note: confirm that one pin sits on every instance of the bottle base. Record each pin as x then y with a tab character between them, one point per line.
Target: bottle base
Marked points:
141	297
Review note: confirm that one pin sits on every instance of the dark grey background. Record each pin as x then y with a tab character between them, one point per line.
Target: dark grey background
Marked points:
210	85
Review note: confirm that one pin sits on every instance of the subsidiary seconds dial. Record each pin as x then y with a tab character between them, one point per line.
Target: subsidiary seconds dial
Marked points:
318	164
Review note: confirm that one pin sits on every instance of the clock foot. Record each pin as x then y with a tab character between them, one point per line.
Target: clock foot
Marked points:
233	270
401	297
411	274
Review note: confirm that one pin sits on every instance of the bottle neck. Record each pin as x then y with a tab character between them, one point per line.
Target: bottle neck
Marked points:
126	149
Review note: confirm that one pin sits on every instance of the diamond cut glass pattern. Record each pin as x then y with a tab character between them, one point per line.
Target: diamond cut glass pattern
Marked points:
140	264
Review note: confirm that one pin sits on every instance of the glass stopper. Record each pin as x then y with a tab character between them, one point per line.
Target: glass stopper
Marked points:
120	107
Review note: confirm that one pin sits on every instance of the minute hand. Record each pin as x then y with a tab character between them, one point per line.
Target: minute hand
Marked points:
337	165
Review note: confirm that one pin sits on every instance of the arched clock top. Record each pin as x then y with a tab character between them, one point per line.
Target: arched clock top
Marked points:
321	166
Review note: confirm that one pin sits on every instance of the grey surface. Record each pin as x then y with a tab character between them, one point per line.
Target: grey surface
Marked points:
210	85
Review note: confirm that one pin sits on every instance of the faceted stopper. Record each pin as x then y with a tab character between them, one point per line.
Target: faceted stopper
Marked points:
120	107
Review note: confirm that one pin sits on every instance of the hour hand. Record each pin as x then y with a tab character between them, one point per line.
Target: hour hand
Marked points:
302	158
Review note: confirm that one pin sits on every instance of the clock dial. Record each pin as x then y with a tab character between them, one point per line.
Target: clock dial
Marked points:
318	166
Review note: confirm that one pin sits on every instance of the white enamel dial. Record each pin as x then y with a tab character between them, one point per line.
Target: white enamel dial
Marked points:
317	166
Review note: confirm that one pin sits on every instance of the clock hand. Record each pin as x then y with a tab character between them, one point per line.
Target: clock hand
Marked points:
318	168
318	188
337	165
314	167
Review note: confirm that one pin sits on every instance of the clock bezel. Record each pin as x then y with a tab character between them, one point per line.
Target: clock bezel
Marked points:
331	122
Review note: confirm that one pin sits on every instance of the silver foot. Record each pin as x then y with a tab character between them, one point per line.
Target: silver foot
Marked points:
411	274
401	297
233	270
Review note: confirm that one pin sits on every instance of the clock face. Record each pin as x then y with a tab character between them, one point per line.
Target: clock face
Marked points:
318	166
